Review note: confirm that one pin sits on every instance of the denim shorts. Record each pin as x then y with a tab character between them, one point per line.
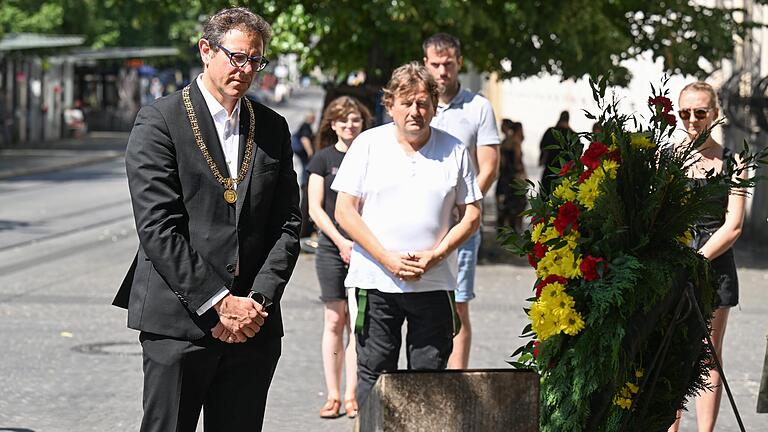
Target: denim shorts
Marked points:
465	289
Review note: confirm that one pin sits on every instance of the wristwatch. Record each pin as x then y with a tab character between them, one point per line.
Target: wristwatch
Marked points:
260	299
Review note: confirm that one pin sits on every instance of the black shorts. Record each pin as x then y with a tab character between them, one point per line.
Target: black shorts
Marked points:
331	270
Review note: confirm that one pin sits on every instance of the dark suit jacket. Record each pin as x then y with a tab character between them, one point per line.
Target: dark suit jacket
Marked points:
190	238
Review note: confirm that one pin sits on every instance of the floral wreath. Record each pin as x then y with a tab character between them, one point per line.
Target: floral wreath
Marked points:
611	330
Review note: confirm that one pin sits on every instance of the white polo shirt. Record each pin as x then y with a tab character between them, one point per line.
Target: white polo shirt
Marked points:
469	117
406	202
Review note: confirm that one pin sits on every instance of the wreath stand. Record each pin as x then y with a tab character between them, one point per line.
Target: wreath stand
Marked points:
685	306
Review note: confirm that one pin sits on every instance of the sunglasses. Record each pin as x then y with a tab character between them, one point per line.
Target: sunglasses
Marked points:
699	113
239	59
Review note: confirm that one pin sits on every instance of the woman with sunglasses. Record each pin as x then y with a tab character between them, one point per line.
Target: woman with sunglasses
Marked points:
342	122
713	237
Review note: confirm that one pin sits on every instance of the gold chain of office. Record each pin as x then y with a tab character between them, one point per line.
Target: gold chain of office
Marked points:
230	196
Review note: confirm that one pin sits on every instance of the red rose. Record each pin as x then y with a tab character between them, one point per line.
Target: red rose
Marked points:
536	349
567	216
548	280
552	279
539	250
585	175
532	261
615	156
661	101
670	119
567	167
591	157
592	267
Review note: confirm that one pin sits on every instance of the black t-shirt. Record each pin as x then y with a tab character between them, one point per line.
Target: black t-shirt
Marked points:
326	163
305	131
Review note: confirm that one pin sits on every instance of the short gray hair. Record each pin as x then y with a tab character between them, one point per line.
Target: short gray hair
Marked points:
235	19
406	80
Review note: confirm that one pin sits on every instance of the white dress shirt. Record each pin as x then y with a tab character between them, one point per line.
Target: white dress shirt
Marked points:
228	132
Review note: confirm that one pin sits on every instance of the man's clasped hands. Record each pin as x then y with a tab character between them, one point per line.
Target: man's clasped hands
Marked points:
240	318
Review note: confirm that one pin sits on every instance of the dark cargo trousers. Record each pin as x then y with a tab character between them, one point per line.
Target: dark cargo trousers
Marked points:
429	336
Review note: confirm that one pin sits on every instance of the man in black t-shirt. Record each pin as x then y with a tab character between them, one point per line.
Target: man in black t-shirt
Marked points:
303	146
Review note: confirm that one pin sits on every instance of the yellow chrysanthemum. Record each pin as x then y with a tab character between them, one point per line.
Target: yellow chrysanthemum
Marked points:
641	140
632	388
552	291
590	190
544	232
573	323
536	232
566	190
610	167
561	261
550	233
639	373
562	308
624	403
543	323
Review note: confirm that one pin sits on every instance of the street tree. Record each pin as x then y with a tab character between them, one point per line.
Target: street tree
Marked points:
514	38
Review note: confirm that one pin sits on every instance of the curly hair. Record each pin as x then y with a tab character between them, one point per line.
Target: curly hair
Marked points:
339	109
235	19
406	81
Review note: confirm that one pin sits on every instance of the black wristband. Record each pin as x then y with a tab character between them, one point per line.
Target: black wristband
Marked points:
260	299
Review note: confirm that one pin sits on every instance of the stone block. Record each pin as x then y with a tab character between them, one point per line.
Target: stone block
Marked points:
483	400
762	395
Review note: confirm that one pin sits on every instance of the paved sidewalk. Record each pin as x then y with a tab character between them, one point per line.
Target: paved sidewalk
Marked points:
47	156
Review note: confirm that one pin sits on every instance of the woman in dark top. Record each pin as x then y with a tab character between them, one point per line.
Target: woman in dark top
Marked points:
713	237
508	204
342	122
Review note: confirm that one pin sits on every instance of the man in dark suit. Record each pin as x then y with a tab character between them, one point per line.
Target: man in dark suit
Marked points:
216	205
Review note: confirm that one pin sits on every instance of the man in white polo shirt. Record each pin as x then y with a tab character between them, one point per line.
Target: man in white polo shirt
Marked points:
469	117
398	187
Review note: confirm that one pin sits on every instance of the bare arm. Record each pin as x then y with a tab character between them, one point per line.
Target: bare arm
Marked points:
487	166
316	195
519	166
729	232
307	144
469	222
348	216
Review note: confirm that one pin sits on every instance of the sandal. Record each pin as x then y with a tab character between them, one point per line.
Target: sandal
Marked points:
331	409
350	406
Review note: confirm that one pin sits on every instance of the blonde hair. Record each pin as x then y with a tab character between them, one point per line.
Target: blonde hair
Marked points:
339	109
406	80
703	87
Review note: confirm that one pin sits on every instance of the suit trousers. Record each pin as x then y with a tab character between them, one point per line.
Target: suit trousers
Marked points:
429	336
229	381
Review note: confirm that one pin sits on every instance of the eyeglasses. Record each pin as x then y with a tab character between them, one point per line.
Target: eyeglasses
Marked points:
239	59
699	113
345	120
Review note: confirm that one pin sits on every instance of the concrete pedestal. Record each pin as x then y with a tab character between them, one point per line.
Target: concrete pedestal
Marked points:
762	396
487	400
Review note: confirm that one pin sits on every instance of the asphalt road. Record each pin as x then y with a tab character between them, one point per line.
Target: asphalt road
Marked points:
68	363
